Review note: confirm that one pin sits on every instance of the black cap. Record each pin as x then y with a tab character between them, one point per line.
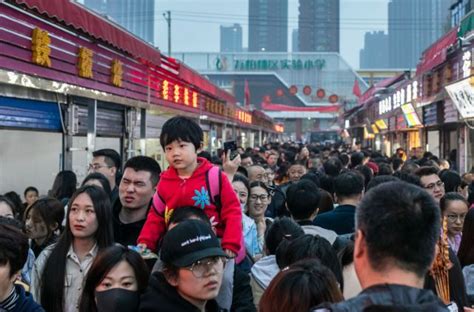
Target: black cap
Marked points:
188	242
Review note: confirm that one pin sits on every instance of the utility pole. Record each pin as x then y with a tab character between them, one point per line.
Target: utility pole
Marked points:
167	17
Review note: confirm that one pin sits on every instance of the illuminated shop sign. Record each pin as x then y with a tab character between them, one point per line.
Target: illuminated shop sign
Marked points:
224	64
405	95
279	128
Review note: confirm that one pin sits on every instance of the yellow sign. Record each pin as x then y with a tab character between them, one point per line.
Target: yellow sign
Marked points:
176	93
84	62
186	96
375	129
117	72
165	90
195	99
40	42
381	124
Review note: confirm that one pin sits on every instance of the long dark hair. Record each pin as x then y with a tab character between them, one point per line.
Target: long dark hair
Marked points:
466	249
52	278
50	210
105	261
64	185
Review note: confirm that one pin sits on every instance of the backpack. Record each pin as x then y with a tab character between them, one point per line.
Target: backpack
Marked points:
213	185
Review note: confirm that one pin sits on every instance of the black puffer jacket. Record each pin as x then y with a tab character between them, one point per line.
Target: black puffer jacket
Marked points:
162	297
388	297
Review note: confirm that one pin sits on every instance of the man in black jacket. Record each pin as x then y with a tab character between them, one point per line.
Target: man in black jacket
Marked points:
396	232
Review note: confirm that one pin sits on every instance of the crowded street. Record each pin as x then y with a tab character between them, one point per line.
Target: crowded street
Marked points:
236	155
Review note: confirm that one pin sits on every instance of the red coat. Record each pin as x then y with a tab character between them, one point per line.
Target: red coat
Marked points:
177	192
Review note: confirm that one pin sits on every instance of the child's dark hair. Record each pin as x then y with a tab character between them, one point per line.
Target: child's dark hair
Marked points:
181	129
30	189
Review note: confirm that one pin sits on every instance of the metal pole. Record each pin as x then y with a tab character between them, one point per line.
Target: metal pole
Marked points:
167	17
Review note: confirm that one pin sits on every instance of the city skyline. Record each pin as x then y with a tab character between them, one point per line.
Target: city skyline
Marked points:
206	16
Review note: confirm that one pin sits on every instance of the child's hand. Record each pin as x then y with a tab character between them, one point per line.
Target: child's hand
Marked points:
230	254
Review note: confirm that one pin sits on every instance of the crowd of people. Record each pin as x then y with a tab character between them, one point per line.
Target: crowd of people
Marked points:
281	227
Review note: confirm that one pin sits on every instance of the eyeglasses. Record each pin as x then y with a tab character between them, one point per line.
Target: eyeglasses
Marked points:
201	267
431	186
97	166
262	197
455	217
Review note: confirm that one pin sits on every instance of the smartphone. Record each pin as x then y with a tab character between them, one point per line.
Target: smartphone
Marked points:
232	146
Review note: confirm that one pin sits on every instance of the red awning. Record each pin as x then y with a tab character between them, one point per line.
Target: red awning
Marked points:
288	108
436	53
77	16
377	87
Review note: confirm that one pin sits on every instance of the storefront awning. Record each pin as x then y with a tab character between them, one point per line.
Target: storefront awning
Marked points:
411	116
74	14
375	130
467	25
436	53
381	124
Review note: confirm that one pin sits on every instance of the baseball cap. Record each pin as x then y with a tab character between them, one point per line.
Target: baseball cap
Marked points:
188	242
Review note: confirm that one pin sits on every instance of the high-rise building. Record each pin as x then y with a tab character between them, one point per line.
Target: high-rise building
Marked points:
375	51
413	25
318	26
137	16
459	9
294	41
268	26
231	38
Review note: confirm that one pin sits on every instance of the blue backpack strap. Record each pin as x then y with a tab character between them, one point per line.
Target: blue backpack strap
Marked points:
213	183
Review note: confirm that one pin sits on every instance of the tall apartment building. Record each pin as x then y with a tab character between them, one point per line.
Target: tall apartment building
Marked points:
294	41
137	16
268	26
231	38
318	26
374	55
413	25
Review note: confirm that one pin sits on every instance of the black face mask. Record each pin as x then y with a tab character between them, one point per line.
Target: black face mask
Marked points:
117	300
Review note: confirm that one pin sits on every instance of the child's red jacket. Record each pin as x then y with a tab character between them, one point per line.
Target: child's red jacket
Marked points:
177	192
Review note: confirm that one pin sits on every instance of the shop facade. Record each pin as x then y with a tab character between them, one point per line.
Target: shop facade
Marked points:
73	82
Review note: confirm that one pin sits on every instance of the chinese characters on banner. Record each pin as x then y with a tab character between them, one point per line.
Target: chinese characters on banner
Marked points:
167	90
84	62
40	42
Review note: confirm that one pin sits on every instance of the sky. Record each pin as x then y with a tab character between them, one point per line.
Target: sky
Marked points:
195	23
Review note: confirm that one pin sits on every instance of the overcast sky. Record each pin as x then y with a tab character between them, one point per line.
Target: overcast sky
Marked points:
195	23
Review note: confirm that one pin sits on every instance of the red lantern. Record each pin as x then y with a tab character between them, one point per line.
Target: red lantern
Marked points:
280	92
321	93
293	89
267	99
307	90
333	98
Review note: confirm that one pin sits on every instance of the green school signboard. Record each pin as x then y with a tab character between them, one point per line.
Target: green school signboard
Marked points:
223	64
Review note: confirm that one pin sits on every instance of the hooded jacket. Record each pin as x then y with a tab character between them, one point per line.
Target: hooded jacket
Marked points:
162	297
193	191
261	274
389	297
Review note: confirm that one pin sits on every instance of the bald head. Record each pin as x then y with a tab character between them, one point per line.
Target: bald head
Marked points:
256	173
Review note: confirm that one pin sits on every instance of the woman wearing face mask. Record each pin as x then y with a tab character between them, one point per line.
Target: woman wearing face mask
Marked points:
193	266
259	198
42	219
59	271
116	279
242	189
